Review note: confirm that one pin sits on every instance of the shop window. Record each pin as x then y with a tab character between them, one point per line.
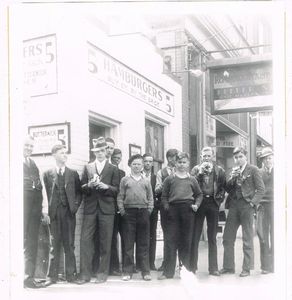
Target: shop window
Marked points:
154	142
95	131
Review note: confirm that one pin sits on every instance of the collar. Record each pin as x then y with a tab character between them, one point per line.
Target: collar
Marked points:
62	169
98	163
269	170
137	178
170	170
186	176
146	174
243	168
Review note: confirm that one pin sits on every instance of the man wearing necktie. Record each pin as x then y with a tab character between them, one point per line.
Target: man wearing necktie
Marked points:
33	206
266	213
64	195
211	179
246	188
100	182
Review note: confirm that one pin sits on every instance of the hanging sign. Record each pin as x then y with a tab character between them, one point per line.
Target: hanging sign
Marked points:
240	85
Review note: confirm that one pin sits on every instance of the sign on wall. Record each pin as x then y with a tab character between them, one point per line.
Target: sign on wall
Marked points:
231	141
46	136
240	85
113	72
40	65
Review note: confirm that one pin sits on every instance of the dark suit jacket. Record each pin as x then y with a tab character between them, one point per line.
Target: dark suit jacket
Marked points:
219	182
252	186
153	184
106	199
72	188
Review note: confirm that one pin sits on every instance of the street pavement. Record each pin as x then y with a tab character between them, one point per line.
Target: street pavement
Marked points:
188	286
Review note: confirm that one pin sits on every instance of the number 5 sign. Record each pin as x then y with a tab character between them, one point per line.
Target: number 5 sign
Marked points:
40	65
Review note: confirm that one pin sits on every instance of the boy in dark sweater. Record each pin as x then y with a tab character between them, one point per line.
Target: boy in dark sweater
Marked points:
181	197
135	203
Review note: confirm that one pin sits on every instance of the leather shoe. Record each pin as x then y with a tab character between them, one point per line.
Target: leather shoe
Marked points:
162	277
147	277
126	277
160	269
100	278
265	272
116	273
82	281
244	273
226	271
214	273
32	284
51	281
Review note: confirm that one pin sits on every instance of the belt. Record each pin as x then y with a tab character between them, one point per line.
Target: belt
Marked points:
208	196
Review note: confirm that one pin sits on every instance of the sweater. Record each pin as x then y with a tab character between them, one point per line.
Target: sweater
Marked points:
135	194
181	190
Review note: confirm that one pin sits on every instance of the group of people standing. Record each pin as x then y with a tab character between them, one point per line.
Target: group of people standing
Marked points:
129	205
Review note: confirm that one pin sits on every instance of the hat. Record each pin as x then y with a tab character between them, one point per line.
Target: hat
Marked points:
239	150
98	143
266	152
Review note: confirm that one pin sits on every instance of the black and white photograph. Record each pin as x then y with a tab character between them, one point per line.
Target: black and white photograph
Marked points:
146	150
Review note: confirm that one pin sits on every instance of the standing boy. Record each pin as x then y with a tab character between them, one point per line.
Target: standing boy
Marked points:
160	177
135	202
246	189
64	195
181	197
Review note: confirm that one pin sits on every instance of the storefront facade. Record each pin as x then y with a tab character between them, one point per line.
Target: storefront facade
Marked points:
85	85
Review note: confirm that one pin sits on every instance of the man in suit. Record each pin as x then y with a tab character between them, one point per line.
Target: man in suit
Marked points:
116	158
211	179
64	195
266	213
100	181
149	174
246	188
32	212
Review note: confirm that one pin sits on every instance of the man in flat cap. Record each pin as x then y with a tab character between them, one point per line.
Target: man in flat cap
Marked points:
246	188
100	181
265	224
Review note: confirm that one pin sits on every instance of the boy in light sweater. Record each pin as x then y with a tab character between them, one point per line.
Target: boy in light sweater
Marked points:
135	203
181	197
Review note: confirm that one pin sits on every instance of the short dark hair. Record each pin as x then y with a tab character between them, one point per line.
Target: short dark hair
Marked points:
181	155
147	155
58	147
207	148
133	157
239	150
117	151
109	140
171	153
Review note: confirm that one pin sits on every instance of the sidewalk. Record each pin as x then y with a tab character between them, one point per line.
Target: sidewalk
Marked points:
189	287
